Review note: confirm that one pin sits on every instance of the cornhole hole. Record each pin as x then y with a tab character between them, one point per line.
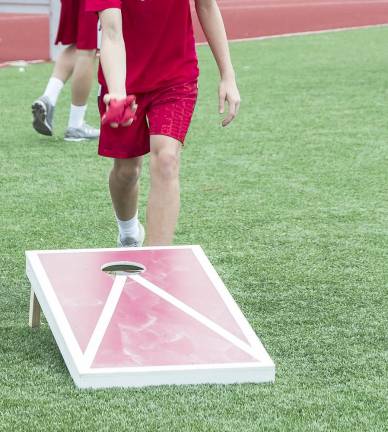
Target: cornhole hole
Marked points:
144	316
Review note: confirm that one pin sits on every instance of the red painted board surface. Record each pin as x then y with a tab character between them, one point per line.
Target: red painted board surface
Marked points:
145	330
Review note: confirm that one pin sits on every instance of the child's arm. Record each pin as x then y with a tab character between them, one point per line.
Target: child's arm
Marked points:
213	26
113	60
112	53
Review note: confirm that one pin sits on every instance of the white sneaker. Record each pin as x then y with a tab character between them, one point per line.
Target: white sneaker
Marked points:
132	242
84	132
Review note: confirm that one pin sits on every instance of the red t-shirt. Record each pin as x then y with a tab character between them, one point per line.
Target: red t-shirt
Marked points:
159	42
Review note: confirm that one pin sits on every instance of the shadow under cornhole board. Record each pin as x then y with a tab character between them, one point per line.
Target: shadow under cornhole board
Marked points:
173	322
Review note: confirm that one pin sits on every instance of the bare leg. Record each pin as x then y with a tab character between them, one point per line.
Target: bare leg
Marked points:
82	76
124	186
65	64
164	198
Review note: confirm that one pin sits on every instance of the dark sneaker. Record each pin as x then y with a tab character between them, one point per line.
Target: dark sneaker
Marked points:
43	113
132	242
84	132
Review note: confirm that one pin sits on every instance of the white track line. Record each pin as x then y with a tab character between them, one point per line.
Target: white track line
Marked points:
196	315
301	4
104	320
307	33
238	3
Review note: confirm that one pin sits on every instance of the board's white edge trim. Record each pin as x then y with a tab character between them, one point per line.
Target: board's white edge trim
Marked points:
181	368
55	316
233	307
234	374
60	251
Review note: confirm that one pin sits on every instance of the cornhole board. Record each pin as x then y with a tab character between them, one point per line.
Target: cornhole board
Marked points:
175	323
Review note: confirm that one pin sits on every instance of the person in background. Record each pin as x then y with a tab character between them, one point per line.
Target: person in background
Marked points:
78	30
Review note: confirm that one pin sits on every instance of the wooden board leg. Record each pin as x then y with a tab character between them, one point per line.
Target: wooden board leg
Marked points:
34	319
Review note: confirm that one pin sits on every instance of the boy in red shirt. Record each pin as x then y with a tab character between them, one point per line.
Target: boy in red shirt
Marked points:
148	50
78	30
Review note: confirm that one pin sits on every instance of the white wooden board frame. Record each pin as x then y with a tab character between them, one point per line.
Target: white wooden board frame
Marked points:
84	376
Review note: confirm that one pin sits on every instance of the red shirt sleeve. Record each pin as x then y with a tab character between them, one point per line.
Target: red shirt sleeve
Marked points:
100	5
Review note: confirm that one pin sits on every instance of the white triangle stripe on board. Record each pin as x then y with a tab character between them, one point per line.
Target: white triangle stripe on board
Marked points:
113	299
104	320
196	315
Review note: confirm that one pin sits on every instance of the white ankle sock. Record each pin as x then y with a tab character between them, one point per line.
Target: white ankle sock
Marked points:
128	228
77	115
53	89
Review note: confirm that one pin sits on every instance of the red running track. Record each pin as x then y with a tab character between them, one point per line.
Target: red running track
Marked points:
255	18
26	36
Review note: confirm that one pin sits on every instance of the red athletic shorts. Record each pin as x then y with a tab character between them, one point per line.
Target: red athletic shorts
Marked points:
165	111
77	27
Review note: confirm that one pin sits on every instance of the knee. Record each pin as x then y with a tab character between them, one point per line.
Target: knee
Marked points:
165	164
126	174
69	49
86	54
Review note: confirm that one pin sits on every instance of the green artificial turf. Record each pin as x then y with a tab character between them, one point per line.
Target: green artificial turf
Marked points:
291	206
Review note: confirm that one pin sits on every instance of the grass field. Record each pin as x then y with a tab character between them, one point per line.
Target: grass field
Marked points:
291	206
